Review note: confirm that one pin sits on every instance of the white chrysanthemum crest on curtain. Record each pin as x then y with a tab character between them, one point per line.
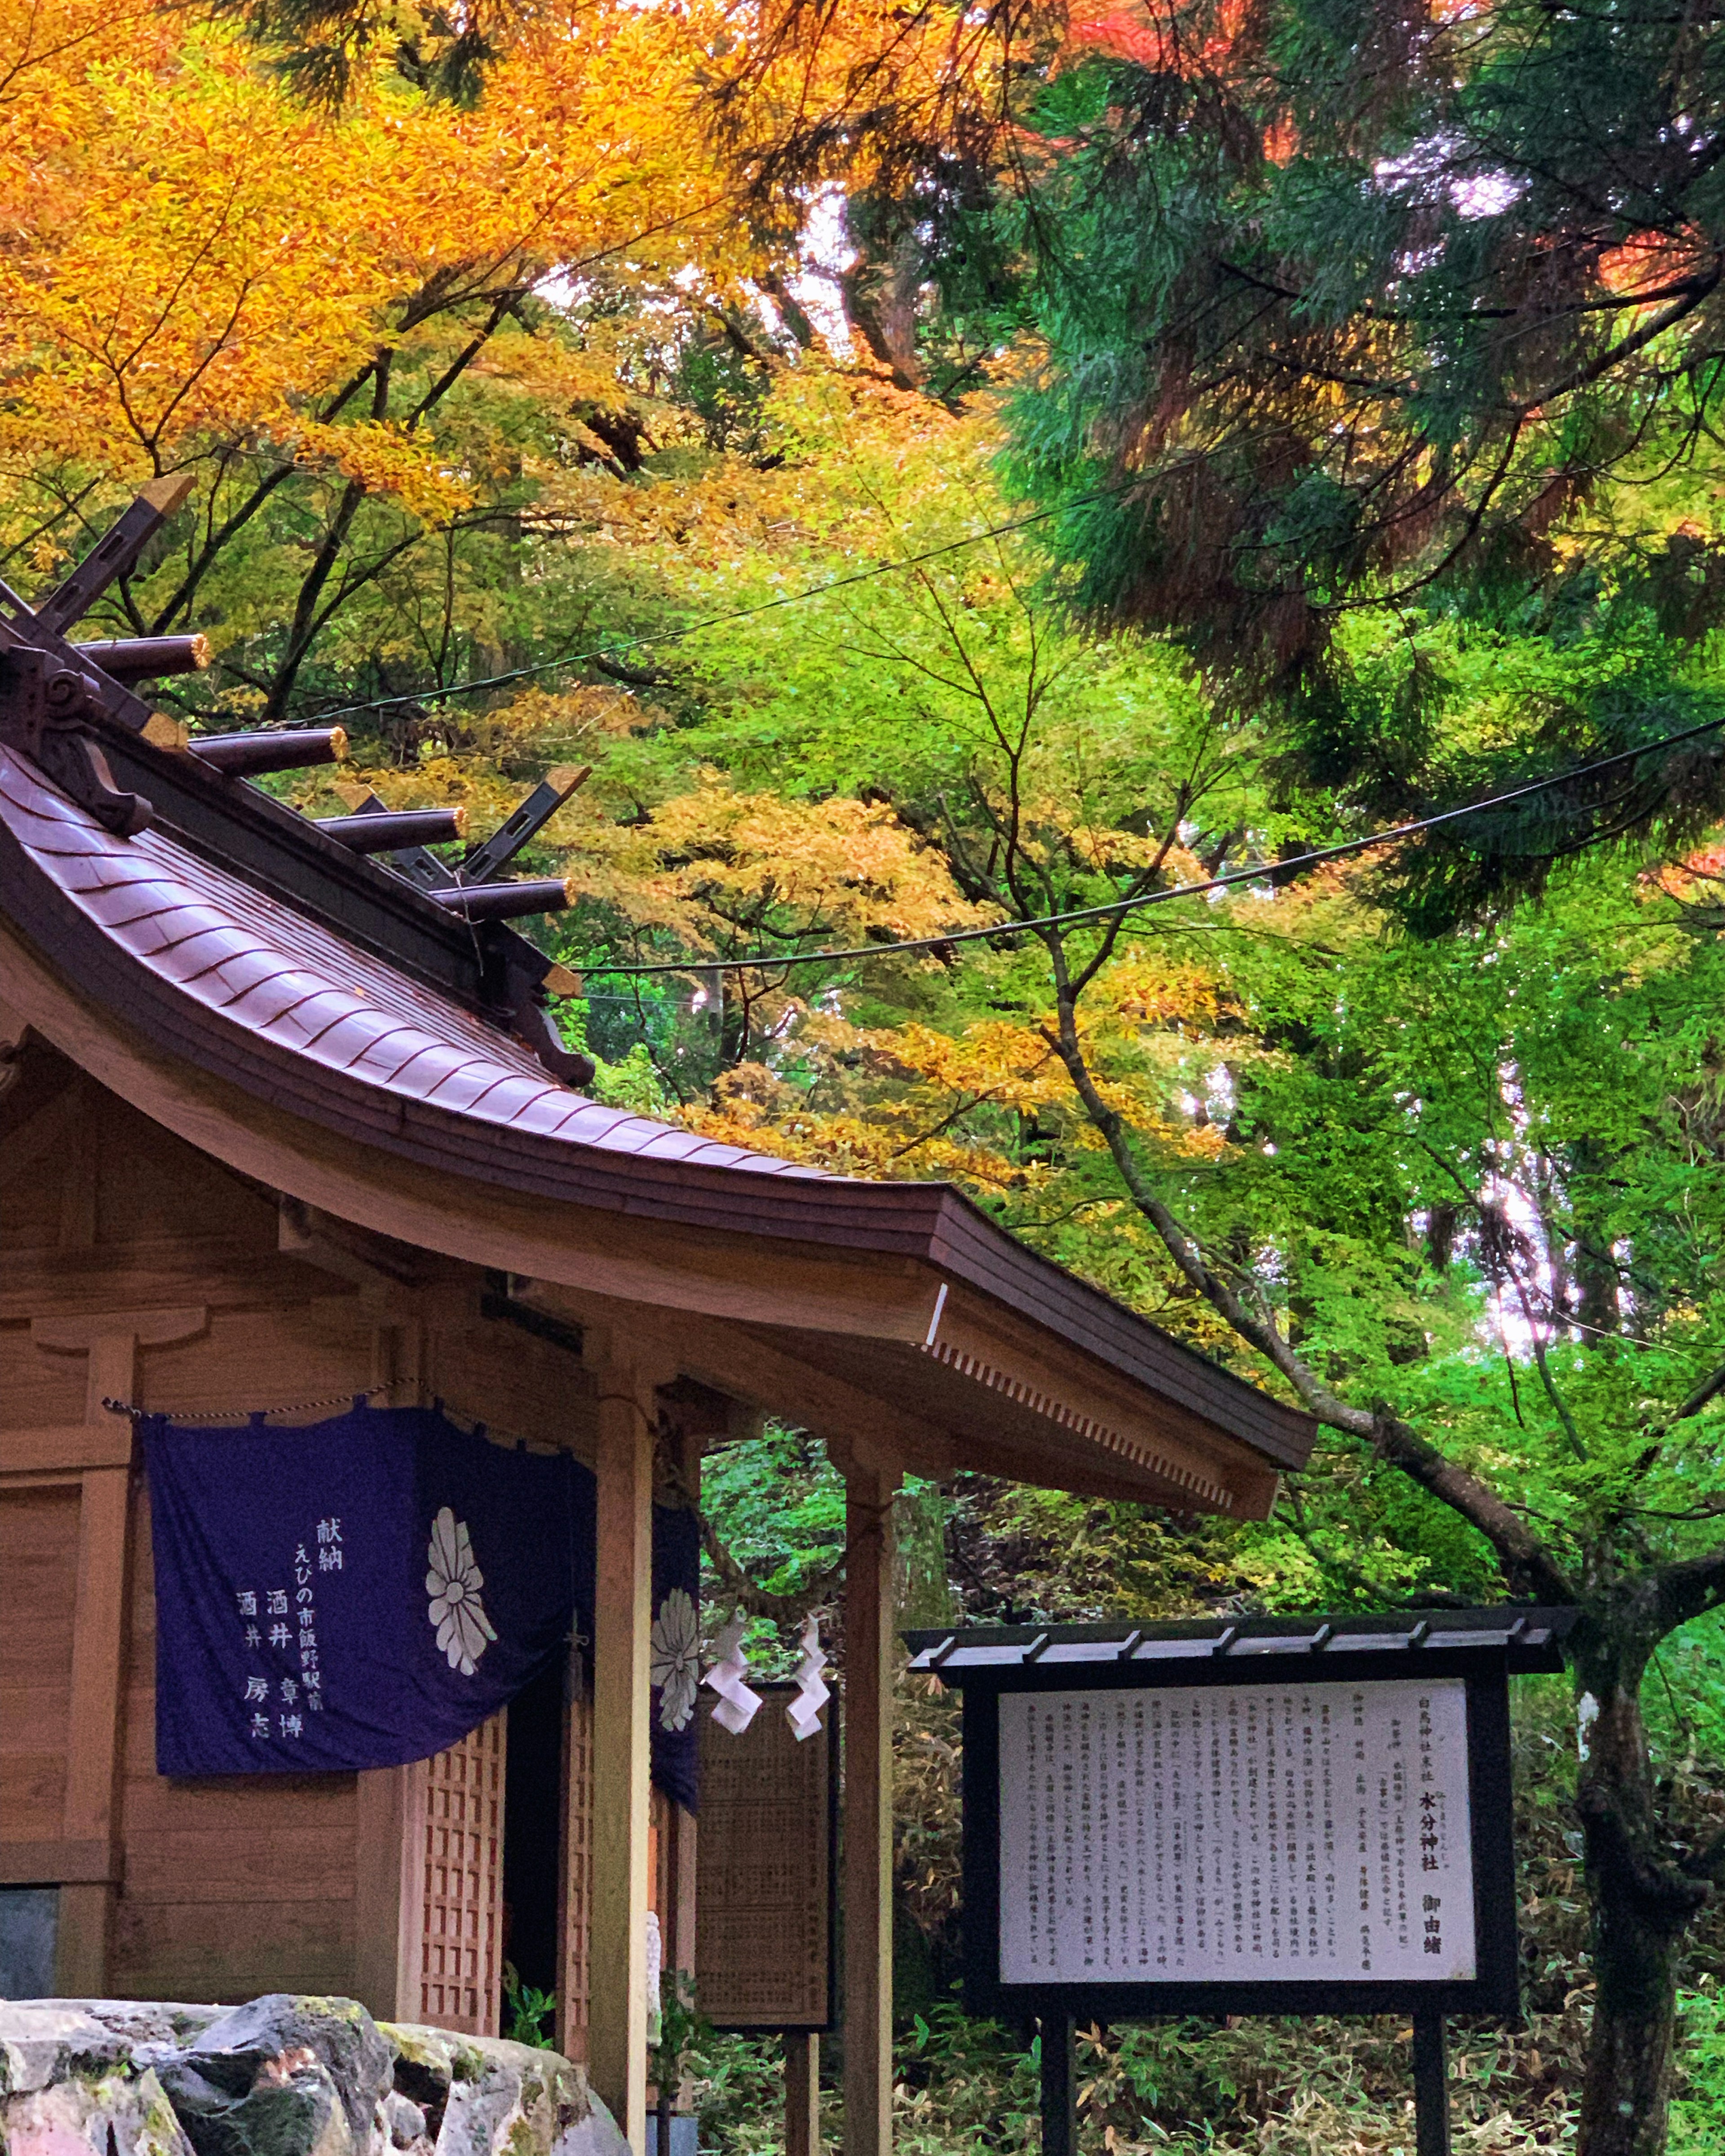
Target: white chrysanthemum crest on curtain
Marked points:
803	1712
675	1667
453	1581
737	1705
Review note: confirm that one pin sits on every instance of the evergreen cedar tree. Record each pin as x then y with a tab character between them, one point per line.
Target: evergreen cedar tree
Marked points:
1387	340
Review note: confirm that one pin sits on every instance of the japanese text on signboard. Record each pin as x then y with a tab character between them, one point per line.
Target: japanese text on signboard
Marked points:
1291	1832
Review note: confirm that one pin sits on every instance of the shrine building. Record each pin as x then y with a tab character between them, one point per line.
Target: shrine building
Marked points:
285	1124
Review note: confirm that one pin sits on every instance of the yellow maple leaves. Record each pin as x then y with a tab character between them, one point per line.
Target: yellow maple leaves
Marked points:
723	868
196	263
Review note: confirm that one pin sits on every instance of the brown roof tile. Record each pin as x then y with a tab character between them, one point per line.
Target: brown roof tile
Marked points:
262	966
242	981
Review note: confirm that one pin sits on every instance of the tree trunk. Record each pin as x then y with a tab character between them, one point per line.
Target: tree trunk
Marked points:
1642	1905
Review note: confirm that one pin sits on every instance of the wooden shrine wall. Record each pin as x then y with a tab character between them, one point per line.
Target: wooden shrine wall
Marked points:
39	1582
133	1266
232	1886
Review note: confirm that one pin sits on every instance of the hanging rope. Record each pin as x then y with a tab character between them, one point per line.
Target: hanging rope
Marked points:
236	1416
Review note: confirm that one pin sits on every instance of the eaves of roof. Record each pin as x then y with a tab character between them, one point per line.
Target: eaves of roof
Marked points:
261	991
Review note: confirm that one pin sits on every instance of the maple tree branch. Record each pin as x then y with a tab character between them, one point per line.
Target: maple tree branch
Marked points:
761	1601
1686	1588
1709	1389
464	358
1524	1557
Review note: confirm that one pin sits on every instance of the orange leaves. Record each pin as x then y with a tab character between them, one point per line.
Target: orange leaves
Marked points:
176	270
194	262
721	867
1127	34
1695	879
385	460
1647	261
1168	40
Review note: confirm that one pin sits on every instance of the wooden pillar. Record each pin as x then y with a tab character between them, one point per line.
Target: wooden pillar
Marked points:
802	2093
93	1747
623	1616
686	1452
869	1492
389	1866
94	1750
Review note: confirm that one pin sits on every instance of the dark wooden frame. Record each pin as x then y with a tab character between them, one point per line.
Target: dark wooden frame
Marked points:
1494	1990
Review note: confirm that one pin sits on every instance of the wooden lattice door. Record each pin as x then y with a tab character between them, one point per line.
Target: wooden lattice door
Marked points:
461	1890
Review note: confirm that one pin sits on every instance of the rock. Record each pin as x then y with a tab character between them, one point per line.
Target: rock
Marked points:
283	2075
484	2096
405	2123
111	2112
42	2040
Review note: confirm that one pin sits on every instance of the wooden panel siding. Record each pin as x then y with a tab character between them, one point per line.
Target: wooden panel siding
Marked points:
36	1390
167	1188
518	1386
265	1358
38	1578
234	1886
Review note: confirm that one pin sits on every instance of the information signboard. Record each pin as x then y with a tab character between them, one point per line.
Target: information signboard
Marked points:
1255	1818
1267	1833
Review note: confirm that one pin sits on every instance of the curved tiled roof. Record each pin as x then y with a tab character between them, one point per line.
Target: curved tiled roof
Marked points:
243	956
235	963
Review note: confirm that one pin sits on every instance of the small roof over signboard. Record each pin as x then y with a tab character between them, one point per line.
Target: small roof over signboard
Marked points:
1529	1638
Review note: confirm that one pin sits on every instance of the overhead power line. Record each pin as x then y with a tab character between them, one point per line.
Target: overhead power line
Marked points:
620	645
1294	864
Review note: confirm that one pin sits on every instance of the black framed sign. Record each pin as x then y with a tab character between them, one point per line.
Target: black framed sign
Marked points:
1242	1819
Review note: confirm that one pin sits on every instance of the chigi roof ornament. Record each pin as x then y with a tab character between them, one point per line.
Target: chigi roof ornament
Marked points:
51	692
69	709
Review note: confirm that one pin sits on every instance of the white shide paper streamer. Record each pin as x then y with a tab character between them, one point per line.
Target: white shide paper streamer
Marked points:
737	1705
803	1712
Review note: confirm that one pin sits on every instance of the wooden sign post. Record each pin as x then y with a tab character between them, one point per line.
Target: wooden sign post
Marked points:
765	1894
1242	1819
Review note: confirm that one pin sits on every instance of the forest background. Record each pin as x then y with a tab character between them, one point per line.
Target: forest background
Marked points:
943	469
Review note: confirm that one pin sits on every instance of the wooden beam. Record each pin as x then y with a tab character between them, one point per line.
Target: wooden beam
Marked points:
59	1863
114	553
869	1489
748	1365
802	2093
217	1271
623	1617
94	1749
106	1331
389	1858
354	1254
65	1448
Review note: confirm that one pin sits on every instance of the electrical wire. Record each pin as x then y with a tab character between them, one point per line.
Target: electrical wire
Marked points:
1294	864
720	620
